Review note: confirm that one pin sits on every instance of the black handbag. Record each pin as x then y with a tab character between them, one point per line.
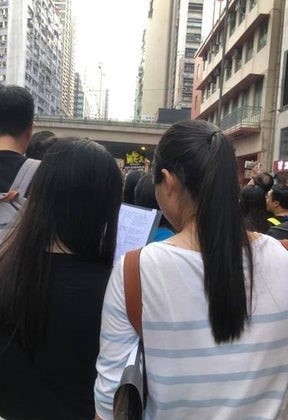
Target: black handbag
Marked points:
130	397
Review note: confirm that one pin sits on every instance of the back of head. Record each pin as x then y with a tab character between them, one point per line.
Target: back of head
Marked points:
265	181
253	206
73	203
16	110
145	192
129	186
39	144
203	160
280	194
78	192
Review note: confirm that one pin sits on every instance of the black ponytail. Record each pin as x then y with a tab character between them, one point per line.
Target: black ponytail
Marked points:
203	159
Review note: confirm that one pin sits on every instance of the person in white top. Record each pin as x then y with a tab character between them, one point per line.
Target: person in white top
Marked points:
215	297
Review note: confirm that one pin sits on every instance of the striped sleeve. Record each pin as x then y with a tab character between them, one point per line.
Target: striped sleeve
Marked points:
117	339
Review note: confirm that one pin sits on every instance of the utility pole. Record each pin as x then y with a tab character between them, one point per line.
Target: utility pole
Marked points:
222	68
100	93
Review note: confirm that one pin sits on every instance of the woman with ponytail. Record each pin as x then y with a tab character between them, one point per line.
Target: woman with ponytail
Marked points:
215	297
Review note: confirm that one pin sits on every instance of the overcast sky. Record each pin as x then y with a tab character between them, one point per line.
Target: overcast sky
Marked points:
110	32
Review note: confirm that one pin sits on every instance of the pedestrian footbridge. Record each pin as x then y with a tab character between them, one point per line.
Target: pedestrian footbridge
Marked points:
119	137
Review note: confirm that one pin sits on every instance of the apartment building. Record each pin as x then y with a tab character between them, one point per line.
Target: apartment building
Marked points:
78	97
30	50
64	8
172	37
237	76
280	164
189	39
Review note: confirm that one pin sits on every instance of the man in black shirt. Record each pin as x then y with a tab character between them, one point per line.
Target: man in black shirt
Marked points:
16	124
277	204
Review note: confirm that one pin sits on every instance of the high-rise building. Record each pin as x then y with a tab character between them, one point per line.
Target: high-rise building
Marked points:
281	127
172	38
30	50
78	97
236	77
64	8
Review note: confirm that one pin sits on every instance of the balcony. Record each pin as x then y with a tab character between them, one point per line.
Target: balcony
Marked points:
242	122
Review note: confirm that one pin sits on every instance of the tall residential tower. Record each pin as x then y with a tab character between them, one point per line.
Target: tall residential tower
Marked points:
64	8
172	38
31	50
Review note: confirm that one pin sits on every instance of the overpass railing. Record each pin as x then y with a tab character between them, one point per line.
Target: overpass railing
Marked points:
92	121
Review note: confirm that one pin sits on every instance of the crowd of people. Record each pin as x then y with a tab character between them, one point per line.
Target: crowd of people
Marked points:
214	279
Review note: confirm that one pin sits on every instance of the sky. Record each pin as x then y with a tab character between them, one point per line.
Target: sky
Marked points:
110	32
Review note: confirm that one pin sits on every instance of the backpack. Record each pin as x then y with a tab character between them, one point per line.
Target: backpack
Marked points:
12	201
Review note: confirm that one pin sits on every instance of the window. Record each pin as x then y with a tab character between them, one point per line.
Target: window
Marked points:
228	67
249	49
190	52
258	94
262	37
188	82
232	23
245	98
238	58
235	103
226	109
245	103
194	23
194	7
285	80
214	83
252	4
2	77
193	38
242	10
189	68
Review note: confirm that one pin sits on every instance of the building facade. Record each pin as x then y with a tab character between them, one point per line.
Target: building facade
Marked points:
237	77
64	8
78	97
281	128
31	50
172	38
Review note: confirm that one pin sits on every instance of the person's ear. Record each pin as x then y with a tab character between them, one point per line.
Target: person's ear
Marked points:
275	203
168	179
29	132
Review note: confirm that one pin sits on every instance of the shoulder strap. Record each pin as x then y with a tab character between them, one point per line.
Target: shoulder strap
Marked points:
24	176
279	227
274	221
132	289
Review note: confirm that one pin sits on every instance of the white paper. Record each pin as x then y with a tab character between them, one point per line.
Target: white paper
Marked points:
134	227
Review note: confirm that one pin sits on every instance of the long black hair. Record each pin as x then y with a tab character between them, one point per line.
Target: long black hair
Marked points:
253	206
203	159
74	202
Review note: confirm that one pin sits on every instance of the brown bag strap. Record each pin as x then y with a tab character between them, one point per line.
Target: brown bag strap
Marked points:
8	196
132	289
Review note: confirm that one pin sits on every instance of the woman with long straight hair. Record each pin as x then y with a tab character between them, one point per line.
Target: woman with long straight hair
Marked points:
54	268
214	314
253	207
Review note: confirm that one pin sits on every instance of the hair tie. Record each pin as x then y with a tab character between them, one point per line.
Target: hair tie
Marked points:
212	136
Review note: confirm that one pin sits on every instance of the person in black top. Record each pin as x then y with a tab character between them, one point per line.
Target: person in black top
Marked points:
253	208
54	267
40	143
277	204
280	231
16	124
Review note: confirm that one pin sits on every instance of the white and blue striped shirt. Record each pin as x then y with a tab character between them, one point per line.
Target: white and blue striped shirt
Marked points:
189	376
